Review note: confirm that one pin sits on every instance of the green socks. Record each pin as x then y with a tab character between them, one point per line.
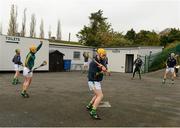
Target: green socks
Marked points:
24	94
89	106
94	114
93	111
15	81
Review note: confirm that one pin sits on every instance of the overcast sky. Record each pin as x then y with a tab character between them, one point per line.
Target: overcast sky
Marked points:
73	14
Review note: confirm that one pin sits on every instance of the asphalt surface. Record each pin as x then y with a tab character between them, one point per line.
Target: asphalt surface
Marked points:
59	99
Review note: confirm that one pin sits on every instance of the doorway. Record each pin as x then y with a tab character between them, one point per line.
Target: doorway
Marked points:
129	63
56	61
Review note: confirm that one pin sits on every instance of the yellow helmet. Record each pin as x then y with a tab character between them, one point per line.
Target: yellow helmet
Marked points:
17	50
33	48
101	51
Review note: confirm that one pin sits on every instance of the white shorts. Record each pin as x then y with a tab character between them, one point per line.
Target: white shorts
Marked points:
86	63
25	72
16	67
170	70
94	85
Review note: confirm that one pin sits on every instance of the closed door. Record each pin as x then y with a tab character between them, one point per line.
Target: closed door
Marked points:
59	63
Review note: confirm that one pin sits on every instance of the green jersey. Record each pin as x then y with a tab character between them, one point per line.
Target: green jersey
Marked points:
30	58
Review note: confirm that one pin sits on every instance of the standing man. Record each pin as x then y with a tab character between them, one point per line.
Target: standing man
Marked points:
170	67
95	76
17	63
138	63
86	61
29	64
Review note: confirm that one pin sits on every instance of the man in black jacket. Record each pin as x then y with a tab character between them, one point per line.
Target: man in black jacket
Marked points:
138	63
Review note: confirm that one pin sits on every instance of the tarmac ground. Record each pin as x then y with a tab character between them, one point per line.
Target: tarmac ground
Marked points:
59	99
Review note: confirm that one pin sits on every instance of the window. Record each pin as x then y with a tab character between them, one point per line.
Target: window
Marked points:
76	55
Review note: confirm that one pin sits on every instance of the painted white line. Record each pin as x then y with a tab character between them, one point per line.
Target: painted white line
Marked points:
104	104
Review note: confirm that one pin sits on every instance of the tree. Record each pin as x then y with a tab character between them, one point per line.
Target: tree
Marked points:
42	29
98	33
13	26
32	26
147	38
120	40
164	40
170	37
174	35
23	30
49	32
153	39
131	35
59	30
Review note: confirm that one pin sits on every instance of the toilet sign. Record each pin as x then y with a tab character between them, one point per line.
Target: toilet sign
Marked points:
11	39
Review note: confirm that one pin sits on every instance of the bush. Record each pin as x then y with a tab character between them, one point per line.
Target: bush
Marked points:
160	60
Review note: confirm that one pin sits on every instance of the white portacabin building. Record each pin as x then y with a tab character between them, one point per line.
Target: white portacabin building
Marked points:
119	59
8	44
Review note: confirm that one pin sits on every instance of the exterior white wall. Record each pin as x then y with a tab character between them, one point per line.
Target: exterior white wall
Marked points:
147	50
7	51
68	52
117	58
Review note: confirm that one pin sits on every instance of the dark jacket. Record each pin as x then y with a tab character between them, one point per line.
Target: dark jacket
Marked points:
94	73
138	62
17	60
171	62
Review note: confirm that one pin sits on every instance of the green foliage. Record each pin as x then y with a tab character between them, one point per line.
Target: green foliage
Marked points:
147	38
13	25
164	40
97	32
100	34
173	35
160	61
131	35
119	40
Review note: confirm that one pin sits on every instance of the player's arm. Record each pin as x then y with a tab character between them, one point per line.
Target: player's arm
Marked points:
39	46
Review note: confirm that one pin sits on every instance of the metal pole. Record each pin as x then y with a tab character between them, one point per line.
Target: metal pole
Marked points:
69	37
